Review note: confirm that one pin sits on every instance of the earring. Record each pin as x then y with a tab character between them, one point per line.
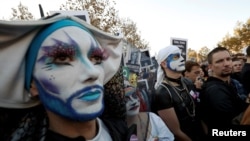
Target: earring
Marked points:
33	97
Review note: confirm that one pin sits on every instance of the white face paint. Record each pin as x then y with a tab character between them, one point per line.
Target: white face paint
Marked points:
132	101
69	74
175	61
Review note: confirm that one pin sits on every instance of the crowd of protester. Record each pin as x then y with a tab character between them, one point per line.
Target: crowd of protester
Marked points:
221	92
73	74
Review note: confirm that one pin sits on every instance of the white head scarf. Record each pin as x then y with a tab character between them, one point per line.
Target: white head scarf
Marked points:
15	38
161	56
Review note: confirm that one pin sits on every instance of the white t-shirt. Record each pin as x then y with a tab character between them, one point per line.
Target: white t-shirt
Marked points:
159	130
102	134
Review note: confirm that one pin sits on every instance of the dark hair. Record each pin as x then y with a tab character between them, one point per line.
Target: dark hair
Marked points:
204	68
212	52
189	64
235	59
248	51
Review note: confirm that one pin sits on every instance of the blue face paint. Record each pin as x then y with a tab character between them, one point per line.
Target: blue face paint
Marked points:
64	107
175	62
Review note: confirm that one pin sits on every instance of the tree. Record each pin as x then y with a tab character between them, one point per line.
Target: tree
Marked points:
191	54
239	39
131	34
232	43
21	13
202	54
102	13
243	33
104	16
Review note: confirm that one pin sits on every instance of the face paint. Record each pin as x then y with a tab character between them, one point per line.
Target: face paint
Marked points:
69	74
132	101
175	61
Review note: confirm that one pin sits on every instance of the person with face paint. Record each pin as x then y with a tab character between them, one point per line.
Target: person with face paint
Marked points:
174	99
150	127
65	69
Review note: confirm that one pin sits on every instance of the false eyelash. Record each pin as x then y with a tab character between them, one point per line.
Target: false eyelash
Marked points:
59	50
97	52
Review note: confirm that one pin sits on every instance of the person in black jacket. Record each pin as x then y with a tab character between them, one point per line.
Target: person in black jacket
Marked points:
245	72
220	102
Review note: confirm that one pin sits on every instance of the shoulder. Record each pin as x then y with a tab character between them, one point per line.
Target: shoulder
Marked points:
116	127
213	82
187	81
153	115
159	128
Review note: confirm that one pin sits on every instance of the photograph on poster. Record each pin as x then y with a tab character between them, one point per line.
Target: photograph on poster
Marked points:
143	83
134	68
154	63
134	57
145	59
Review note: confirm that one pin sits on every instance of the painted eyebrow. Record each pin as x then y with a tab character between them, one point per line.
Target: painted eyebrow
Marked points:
71	46
96	51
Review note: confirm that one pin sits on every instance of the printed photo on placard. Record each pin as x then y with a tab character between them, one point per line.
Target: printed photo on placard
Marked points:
145	59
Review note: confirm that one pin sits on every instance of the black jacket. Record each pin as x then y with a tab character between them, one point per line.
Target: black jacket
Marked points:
245	77
220	103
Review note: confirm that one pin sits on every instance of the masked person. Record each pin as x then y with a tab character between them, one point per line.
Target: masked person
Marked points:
175	97
150	127
66	70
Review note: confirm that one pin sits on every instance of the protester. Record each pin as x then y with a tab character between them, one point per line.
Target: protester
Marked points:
67	65
220	101
245	73
205	68
193	72
150	127
175	97
237	67
241	57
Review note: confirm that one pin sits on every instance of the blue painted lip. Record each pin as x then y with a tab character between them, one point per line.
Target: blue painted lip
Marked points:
182	65
91	95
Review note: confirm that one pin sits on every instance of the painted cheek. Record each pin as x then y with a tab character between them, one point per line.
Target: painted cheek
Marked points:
49	86
168	63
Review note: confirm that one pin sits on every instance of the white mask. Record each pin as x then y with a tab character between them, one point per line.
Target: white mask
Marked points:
132	101
69	74
175	61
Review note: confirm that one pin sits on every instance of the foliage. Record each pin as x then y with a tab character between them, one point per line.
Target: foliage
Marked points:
104	16
102	13
202	53
191	54
200	56
239	39
131	34
21	13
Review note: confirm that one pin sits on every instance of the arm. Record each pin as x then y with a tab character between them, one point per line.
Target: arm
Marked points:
171	120
159	128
